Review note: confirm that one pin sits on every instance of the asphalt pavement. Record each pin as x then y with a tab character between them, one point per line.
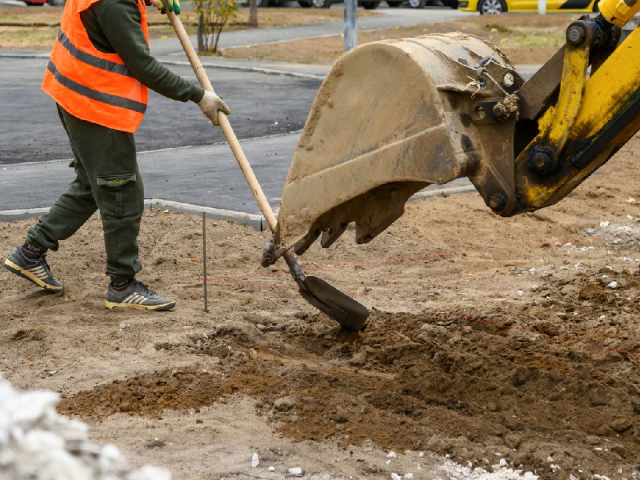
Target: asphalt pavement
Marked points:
204	176
262	105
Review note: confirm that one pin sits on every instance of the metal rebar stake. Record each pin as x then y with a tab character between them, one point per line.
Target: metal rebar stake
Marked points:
204	259
350	24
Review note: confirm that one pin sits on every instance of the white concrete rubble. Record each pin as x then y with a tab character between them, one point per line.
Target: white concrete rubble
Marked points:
38	444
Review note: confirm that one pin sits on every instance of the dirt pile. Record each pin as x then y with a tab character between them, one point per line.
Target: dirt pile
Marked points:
418	382
146	395
490	339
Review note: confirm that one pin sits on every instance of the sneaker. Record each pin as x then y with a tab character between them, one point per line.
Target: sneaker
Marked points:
35	270
137	295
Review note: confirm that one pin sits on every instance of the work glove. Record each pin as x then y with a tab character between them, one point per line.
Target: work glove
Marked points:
210	105
171	5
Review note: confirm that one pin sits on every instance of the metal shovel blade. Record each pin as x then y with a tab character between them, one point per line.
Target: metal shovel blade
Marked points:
349	313
325	297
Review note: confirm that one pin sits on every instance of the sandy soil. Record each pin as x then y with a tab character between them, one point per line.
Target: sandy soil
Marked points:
490	339
36	28
525	38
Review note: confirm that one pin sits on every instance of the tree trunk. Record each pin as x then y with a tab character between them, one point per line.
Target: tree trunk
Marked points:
217	32
201	45
253	14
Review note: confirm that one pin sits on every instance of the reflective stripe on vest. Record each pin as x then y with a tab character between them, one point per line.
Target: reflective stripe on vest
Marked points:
93	85
91	59
94	94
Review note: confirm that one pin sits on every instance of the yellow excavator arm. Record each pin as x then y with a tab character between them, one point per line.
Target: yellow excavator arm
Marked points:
395	116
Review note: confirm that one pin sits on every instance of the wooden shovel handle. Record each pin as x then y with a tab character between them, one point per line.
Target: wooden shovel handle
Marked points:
229	134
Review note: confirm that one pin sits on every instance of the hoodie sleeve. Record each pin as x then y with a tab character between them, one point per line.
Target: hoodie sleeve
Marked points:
119	20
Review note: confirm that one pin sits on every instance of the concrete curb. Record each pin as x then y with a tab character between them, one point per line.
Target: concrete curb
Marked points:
21	214
42	55
263	70
266	71
256	221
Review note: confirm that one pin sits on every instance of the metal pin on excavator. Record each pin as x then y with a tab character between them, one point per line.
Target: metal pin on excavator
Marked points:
395	116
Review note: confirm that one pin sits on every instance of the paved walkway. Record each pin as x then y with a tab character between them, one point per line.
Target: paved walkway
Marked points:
389	18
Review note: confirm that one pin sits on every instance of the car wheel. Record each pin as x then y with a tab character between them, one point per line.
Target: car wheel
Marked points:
370	5
491	7
57	3
452	4
304	4
393	4
262	3
321	3
34	4
417	3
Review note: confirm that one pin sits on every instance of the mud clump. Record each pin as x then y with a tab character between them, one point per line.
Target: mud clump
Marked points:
147	394
152	393
36	334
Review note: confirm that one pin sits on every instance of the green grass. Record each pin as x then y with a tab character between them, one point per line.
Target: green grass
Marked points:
534	41
13	37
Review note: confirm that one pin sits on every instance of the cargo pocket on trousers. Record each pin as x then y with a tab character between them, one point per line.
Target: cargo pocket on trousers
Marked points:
118	192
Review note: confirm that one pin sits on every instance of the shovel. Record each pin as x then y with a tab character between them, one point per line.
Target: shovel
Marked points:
349	313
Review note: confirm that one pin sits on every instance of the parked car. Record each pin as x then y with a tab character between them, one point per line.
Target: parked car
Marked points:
423	3
40	3
488	7
368	4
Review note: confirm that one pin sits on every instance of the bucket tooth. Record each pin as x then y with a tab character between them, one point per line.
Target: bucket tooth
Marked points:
304	244
330	236
383	206
367	231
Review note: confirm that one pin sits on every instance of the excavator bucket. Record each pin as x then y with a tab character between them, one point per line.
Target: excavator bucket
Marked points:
391	118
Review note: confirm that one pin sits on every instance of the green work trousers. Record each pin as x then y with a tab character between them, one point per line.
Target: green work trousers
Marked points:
107	179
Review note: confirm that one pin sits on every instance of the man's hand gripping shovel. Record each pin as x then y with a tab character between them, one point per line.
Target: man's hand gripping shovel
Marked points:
349	313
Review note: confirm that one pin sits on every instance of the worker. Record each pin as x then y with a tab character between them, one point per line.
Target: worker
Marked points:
98	75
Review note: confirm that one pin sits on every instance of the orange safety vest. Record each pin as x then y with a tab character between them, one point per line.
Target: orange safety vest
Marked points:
92	85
